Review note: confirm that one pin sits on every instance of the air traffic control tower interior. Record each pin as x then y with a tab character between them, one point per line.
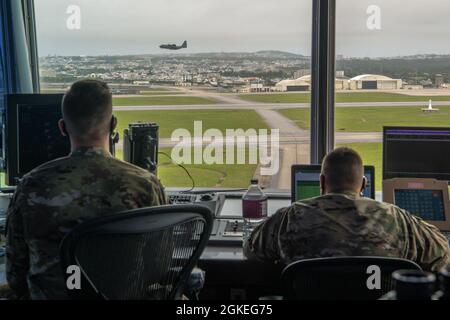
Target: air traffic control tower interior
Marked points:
234	114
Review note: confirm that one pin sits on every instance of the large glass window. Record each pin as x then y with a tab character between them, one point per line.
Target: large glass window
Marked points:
393	68
245	65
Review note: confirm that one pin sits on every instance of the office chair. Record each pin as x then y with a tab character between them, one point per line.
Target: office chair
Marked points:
144	254
340	278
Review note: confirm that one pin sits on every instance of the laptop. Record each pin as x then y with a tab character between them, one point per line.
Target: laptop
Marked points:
306	182
428	199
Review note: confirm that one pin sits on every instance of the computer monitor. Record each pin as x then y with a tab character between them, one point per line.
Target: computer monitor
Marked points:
306	182
426	198
414	152
31	133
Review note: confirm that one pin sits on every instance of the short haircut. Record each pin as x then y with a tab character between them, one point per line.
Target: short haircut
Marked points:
343	170
87	110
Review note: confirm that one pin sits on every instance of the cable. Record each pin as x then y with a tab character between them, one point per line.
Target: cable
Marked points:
185	170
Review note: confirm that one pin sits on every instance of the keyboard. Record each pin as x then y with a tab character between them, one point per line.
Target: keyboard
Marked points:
227	232
179	198
213	201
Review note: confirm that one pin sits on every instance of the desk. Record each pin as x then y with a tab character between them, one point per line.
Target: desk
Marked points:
230	276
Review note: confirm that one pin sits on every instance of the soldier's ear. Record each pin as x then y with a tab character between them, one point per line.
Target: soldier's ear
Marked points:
364	185
113	125
62	128
323	183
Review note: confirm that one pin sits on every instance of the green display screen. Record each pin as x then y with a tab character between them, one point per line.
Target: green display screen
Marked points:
307	190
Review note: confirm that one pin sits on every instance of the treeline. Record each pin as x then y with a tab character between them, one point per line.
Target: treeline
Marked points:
401	68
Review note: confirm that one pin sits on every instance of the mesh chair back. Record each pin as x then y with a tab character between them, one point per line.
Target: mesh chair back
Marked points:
142	254
344	278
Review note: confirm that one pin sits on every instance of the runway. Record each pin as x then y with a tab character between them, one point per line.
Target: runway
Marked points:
294	142
276	106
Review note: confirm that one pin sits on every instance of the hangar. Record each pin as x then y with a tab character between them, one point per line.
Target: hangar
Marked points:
304	84
374	82
293	85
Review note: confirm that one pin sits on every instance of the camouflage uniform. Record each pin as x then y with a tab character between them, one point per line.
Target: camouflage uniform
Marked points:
56	197
347	225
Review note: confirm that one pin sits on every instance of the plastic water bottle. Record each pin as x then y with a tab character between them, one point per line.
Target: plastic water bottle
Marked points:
254	208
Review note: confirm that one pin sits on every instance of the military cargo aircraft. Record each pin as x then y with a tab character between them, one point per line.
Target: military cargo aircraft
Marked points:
174	46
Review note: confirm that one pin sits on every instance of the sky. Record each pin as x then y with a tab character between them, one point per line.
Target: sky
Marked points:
119	27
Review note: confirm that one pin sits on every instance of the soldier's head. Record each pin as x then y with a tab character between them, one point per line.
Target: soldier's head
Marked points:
342	171
88	114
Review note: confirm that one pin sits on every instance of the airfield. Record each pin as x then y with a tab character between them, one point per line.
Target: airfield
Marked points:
360	117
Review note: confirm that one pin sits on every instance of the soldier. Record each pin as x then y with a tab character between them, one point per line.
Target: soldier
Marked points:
57	196
343	223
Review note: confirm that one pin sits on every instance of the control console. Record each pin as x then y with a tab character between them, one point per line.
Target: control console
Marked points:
213	201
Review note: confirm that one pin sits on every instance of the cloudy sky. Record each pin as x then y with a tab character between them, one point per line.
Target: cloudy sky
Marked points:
140	26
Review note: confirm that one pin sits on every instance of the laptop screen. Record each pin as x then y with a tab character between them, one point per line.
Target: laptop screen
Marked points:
306	182
426	204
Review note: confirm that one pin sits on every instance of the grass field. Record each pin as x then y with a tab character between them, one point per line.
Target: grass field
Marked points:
205	176
341	97
372	156
171	120
373	119
160	101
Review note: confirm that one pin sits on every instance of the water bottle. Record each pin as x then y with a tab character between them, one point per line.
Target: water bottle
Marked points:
412	285
254	208
444	281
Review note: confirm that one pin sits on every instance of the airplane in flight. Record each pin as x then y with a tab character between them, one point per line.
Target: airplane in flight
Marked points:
174	46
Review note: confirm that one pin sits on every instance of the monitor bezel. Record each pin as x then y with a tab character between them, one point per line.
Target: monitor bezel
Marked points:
13	102
296	168
422	176
390	185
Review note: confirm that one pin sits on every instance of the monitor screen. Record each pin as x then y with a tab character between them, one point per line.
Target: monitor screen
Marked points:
306	182
426	204
416	153
38	126
32	134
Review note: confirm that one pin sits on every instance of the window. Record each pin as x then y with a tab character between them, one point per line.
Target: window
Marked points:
392	59
246	65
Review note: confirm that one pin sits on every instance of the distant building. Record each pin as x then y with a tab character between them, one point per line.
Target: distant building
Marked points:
362	82
300	84
340	74
374	82
439	81
141	83
304	84
302	73
256	88
48	73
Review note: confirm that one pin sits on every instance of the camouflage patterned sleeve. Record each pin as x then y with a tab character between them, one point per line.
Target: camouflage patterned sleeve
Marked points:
263	243
158	191
426	245
17	258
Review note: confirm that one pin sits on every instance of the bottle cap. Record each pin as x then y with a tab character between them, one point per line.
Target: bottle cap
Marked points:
255	181
414	285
